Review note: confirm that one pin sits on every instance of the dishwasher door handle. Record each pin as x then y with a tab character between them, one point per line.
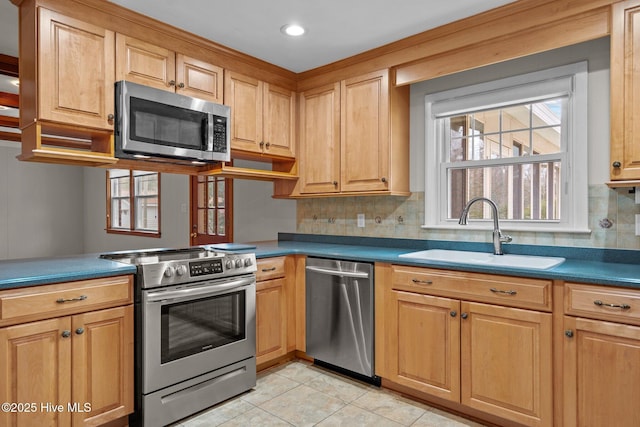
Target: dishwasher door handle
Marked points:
331	272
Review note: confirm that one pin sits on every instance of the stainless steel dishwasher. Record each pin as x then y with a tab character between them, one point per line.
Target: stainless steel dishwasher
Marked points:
339	316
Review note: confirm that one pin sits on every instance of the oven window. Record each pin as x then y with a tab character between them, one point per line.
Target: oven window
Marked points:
199	325
167	125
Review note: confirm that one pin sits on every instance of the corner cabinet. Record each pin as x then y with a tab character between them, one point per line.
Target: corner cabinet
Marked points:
150	65
262	117
601	356
67	353
479	340
354	137
625	91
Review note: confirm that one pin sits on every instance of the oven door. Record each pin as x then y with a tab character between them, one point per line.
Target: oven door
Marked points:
189	330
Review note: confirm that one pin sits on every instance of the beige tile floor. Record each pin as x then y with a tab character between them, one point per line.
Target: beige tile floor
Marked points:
301	394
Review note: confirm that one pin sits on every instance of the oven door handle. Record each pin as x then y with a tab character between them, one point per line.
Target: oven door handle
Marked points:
332	272
189	293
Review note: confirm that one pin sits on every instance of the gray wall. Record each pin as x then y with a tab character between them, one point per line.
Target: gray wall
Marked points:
41	207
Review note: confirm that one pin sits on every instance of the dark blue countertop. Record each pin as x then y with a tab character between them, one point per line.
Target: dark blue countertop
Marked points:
40	271
600	266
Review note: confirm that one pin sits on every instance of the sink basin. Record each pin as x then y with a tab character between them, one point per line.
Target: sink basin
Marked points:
485	258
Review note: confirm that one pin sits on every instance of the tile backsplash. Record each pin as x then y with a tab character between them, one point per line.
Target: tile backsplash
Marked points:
611	220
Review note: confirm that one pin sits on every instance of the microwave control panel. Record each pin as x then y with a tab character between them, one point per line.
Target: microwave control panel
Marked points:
219	134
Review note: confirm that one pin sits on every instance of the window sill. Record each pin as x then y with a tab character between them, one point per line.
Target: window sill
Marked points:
135	233
507	227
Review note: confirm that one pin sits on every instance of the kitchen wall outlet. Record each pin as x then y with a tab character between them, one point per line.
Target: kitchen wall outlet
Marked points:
637	224
183	208
361	220
637	195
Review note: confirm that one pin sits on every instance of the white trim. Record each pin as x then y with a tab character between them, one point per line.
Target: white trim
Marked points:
569	81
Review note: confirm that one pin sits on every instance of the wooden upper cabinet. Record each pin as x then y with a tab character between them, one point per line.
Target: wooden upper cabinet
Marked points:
354	137
319	156
75	73
262	116
625	90
365	133
151	65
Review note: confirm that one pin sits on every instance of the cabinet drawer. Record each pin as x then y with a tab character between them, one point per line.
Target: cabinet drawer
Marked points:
602	302
270	268
504	290
40	302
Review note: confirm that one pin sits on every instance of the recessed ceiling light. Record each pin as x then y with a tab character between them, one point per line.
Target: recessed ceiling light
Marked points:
293	30
2	107
15	82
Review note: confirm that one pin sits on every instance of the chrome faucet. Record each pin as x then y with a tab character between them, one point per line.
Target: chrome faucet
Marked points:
498	237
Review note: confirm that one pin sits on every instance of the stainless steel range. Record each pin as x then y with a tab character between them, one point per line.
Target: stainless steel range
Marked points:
195	330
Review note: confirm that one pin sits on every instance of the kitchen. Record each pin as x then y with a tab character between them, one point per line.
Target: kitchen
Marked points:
78	198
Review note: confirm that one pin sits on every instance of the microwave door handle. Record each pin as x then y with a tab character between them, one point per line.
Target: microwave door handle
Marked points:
189	293
209	136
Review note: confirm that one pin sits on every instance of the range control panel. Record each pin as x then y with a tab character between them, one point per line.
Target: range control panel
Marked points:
203	268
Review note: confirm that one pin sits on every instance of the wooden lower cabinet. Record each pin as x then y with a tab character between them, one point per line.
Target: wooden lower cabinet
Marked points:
602	373
68	371
490	358
275	308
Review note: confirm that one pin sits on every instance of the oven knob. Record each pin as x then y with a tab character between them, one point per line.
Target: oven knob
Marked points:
168	272
229	264
247	262
238	263
181	270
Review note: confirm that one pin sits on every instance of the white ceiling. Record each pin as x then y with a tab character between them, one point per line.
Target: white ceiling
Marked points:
336	29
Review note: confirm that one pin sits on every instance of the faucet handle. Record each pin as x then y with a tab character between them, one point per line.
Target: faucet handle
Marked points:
505	238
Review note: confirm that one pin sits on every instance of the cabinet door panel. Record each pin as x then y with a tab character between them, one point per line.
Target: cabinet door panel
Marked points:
506	362
244	95
424	343
320	140
145	63
75	70
34	368
279	121
271	320
103	364
625	90
365	132
602	374
201	79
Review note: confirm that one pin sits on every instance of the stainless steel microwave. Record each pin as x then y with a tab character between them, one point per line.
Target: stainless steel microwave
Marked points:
156	123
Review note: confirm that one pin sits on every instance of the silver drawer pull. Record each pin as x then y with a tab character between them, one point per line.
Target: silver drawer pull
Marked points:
80	298
500	291
422	282
603	304
264	270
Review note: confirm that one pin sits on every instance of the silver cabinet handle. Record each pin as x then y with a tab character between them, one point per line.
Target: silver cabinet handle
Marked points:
63	300
264	270
422	282
604	304
500	291
80	331
66	334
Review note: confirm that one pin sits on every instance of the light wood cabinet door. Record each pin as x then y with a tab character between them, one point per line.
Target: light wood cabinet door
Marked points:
75	73
102	365
35	369
199	79
625	90
365	132
271	320
423	343
244	95
145	63
602	373
279	121
319	156
506	363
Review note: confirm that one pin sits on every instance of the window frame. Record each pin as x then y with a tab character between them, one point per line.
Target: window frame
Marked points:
568	80
132	198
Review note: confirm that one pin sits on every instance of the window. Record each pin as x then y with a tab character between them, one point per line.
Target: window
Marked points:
212	210
520	141
133	202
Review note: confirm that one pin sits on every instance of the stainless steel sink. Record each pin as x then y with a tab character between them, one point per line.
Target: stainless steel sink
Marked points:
488	259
